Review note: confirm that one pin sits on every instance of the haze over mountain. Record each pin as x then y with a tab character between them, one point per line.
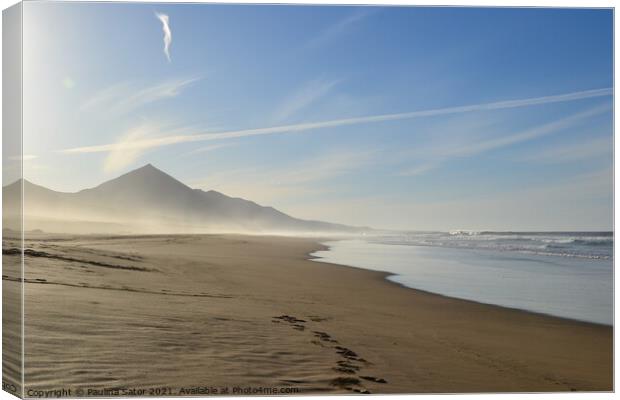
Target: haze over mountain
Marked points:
147	200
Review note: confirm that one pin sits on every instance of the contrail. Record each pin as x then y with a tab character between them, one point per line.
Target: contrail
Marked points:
499	105
167	33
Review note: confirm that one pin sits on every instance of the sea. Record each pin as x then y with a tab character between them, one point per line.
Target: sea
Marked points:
565	274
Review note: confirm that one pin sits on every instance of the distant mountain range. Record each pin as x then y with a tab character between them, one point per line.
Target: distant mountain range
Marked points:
147	200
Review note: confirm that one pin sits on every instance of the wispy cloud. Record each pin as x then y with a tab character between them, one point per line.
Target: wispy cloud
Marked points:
212	147
124	97
330	33
594	148
170	140
304	97
122	156
440	155
419	169
529	134
165	21
278	184
326	166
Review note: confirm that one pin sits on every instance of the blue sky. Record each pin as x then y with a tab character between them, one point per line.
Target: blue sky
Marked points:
323	112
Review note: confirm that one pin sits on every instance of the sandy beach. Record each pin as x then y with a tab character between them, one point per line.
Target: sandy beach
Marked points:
231	311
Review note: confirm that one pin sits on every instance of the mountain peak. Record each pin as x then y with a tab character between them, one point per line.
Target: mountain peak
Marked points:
146	168
147	199
147	178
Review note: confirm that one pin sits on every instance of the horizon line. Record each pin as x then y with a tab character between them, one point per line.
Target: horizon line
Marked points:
378	229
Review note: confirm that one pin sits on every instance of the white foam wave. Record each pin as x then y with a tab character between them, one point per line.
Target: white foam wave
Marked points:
571	244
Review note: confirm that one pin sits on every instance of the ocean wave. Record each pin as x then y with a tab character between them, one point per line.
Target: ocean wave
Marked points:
588	245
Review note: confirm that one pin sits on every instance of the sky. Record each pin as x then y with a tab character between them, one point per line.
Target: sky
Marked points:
390	117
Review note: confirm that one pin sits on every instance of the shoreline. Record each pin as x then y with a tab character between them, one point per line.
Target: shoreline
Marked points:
321	246
382	277
388	274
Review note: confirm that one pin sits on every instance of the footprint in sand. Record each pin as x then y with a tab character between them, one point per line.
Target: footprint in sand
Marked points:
347	366
348	383
316	318
345	370
290	319
373	379
324	336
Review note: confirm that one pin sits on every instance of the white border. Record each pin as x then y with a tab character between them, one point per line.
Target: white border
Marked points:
482	3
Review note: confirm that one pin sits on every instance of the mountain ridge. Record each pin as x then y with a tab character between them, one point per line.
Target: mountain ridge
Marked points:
148	199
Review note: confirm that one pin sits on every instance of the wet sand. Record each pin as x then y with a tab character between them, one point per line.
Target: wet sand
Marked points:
215	311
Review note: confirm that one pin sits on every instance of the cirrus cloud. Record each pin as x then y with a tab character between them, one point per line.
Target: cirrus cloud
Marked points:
200	137
165	21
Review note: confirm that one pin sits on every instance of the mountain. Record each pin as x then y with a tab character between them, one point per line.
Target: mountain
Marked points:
147	200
